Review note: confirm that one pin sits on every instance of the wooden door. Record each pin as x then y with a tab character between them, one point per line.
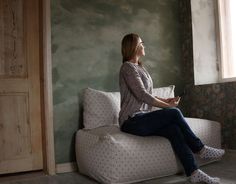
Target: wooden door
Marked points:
20	109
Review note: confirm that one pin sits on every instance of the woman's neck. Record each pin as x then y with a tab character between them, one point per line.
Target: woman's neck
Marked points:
135	60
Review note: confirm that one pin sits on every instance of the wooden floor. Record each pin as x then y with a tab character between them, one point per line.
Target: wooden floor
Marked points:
21	176
225	169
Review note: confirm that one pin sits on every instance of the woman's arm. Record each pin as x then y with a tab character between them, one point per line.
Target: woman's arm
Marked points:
135	84
164	103
167	100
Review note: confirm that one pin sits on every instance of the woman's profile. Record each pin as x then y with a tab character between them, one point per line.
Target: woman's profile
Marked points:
137	118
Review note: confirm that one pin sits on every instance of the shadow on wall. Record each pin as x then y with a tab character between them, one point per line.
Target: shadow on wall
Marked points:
81	109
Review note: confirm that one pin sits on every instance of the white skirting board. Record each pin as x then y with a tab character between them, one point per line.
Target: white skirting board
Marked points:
66	167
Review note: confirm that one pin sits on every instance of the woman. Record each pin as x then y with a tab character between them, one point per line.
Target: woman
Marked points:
137	118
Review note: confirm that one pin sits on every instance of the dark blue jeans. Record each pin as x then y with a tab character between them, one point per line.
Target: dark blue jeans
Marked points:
169	123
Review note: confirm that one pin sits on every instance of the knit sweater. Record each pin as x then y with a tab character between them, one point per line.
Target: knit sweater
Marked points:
136	91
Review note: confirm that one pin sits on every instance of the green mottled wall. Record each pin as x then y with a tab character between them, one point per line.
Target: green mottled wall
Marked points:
86	38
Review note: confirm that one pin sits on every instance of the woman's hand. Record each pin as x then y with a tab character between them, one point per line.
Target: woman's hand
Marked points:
173	102
169	102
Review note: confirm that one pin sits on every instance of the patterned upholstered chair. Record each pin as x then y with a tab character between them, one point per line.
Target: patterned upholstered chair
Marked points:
110	156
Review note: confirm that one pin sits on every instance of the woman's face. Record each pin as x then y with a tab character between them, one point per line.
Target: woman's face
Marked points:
140	48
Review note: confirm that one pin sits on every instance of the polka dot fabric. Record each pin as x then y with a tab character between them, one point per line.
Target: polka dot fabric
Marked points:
111	156
100	108
211	153
200	176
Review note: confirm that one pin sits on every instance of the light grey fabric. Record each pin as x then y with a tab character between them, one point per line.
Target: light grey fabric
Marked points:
136	90
163	92
102	108
111	156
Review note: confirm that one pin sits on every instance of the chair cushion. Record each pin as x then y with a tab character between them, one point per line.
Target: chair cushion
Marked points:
163	92
102	108
111	156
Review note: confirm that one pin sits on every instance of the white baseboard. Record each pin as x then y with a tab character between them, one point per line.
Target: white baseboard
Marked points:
66	167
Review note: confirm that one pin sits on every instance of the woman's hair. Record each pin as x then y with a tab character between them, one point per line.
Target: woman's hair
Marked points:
129	46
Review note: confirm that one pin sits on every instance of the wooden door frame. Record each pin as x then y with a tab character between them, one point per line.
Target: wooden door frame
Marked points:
46	88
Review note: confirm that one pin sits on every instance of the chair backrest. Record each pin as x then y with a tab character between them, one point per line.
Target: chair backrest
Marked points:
102	108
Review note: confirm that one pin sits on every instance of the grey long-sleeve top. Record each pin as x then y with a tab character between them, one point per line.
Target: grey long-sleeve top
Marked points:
136	90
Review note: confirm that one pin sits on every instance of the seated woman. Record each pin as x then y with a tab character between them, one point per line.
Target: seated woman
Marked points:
137	118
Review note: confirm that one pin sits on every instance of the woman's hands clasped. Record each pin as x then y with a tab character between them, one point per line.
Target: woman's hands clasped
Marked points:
173	102
168	102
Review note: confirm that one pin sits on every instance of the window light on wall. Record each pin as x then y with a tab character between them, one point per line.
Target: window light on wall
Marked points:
214	41
227	42
205	55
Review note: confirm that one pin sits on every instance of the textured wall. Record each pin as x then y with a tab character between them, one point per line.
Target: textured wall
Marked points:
86	38
213	101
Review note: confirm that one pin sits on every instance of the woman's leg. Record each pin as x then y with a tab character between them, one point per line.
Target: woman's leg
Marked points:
192	140
146	124
161	118
175	116
174	134
149	124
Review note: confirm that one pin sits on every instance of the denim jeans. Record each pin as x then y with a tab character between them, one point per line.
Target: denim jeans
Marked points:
171	124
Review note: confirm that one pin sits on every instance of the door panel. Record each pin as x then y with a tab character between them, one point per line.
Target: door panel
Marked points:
14	117
20	109
13	63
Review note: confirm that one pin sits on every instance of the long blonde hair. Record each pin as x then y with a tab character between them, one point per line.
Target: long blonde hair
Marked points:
129	46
